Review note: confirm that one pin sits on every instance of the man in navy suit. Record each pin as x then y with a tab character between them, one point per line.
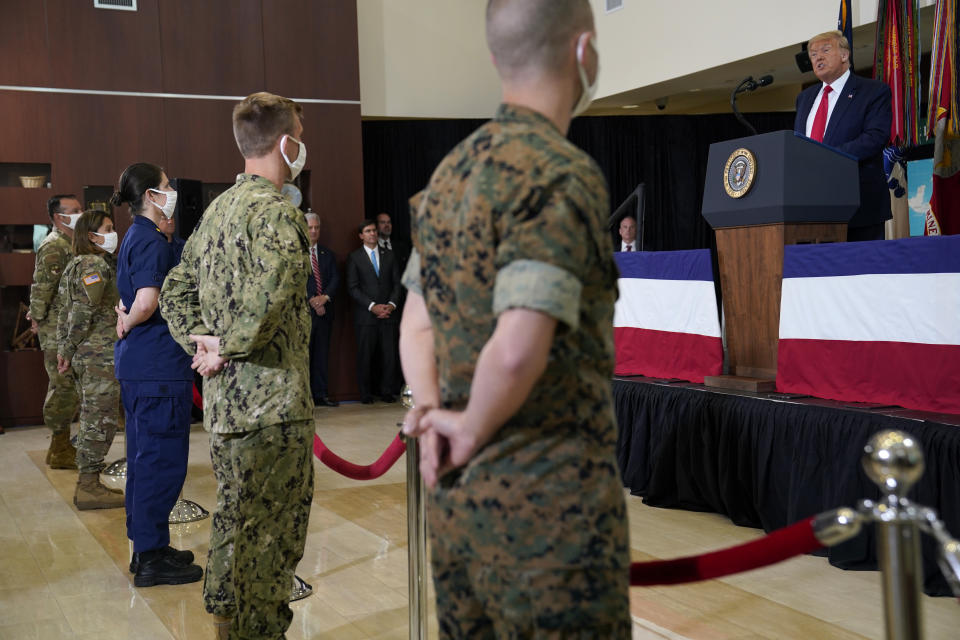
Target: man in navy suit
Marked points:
851	114
322	283
373	279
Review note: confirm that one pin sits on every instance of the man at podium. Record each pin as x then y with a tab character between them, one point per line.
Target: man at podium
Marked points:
851	114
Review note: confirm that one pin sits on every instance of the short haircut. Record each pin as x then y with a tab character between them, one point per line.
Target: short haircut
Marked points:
533	35
53	204
835	35
310	215
261	119
89	222
366	223
384	213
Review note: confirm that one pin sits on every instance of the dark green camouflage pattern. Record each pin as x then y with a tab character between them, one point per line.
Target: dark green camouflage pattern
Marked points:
515	217
243	278
86	332
265	488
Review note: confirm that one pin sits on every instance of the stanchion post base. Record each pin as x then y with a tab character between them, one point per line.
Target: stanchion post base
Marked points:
117	469
300	589
185	511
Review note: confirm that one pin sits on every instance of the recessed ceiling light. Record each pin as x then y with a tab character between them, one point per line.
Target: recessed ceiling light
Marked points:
630	106
695	90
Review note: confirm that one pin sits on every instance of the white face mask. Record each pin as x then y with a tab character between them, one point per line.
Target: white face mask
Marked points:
72	219
171	204
110	241
297	165
588	90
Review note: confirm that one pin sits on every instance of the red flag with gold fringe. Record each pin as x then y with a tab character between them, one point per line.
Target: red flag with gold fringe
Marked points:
897	53
943	123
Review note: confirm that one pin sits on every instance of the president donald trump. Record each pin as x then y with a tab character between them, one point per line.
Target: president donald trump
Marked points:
851	114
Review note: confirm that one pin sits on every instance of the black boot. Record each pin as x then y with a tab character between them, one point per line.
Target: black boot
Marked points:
184	557
157	567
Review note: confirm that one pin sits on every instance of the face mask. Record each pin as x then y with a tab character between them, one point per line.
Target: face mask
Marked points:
110	241
588	90
171	204
72	217
297	165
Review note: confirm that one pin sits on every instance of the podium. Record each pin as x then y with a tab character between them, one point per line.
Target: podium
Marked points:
762	193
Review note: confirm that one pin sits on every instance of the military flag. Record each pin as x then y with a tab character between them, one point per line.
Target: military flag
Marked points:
897	55
943	123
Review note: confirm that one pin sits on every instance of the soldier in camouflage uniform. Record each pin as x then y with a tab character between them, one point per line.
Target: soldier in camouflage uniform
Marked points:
239	299
53	255
86	331
508	329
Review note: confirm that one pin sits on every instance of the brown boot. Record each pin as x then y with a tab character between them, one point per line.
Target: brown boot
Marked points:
90	494
61	454
221	627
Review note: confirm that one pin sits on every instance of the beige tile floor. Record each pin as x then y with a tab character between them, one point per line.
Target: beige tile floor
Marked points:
63	573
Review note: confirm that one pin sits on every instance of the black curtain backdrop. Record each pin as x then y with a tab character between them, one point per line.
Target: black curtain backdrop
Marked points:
668	153
768	464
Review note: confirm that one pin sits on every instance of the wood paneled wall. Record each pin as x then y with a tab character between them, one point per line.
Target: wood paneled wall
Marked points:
299	48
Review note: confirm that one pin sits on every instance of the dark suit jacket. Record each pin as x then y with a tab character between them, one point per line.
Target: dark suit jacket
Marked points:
860	126
365	287
401	249
331	280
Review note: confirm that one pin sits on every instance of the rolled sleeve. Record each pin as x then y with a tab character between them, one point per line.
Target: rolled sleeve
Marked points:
150	261
529	284
411	275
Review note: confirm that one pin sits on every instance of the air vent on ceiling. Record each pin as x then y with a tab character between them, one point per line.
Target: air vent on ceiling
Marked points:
122	5
613	5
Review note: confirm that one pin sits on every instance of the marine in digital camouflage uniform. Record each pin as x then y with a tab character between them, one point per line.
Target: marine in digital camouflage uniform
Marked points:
62	400
86	332
243	278
529	538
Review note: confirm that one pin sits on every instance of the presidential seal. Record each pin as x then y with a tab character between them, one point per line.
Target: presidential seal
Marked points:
739	173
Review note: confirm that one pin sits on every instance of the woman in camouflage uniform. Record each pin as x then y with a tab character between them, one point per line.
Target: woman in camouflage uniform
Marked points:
86	331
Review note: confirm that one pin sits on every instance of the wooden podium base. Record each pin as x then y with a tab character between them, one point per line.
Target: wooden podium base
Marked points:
740	383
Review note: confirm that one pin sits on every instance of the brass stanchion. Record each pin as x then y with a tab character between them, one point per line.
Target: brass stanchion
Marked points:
416	535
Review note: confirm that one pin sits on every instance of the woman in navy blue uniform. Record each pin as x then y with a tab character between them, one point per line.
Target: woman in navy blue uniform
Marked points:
156	381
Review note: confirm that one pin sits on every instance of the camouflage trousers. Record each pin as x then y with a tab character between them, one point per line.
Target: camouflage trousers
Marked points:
479	601
99	410
264	491
60	405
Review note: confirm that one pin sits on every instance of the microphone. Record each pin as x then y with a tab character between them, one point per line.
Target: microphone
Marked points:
764	81
749	84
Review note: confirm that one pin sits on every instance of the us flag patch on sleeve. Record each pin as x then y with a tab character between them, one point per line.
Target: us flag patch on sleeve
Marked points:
93	278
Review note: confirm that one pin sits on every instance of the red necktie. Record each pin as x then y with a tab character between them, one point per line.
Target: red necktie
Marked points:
629	247
316	269
820	120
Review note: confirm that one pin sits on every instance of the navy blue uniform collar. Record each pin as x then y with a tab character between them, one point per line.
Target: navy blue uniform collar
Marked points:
147	222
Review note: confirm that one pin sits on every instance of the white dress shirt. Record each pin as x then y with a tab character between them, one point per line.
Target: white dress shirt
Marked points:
624	245
836	89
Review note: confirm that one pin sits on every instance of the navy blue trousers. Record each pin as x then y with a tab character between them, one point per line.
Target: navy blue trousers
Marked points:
158	440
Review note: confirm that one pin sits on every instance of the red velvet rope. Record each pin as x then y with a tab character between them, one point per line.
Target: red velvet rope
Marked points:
776	546
356	471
